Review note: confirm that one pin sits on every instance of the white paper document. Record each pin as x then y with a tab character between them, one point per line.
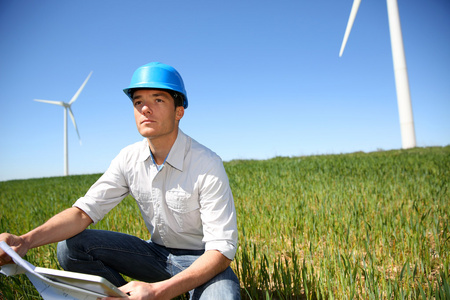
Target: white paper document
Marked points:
49	287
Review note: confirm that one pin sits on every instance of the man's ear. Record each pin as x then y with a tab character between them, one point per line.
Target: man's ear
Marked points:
179	113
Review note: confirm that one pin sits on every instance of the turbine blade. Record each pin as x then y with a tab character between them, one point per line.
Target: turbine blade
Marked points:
60	103
80	89
74	124
351	19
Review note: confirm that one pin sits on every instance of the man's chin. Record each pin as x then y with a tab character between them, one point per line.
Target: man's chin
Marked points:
147	133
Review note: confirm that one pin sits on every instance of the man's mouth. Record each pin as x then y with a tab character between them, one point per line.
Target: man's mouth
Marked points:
147	121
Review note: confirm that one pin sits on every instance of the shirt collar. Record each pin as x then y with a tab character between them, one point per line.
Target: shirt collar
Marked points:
176	154
144	152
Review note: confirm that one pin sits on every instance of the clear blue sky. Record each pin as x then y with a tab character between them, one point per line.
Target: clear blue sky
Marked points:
264	78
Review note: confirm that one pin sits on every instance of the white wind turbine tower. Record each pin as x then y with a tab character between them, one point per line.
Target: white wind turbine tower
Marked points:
400	71
67	107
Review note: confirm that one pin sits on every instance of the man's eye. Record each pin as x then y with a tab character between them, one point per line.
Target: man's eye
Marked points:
159	100
137	103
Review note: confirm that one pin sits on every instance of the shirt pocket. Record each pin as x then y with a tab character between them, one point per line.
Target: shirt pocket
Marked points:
185	210
145	203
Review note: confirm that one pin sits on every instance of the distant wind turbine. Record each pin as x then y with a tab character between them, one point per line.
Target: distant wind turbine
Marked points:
67	107
400	71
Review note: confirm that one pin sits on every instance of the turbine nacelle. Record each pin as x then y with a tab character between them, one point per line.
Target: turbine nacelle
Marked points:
67	107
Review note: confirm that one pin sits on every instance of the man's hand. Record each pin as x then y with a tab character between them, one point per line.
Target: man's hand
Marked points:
60	227
208	265
139	291
17	243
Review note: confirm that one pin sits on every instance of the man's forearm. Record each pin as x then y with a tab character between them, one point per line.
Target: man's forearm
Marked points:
60	227
202	270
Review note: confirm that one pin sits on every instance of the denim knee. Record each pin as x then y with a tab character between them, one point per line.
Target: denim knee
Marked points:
224	286
62	252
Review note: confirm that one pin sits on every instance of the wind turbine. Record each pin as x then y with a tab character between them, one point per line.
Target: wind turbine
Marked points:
400	71
67	107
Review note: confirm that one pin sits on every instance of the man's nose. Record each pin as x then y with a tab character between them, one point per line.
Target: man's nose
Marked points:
146	109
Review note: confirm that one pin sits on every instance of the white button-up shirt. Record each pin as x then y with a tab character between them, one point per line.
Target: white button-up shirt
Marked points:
187	204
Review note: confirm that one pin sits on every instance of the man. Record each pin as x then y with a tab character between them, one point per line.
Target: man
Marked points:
183	194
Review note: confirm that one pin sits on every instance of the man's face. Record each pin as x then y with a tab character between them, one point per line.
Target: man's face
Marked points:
155	113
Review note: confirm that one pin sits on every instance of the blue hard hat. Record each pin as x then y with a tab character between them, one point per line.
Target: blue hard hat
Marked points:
158	76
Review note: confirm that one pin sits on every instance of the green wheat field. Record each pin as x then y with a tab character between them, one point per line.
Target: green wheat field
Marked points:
350	226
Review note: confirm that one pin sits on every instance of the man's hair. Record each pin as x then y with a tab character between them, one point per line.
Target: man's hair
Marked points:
178	98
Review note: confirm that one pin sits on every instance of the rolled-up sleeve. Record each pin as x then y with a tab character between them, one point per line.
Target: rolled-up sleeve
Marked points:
218	212
106	193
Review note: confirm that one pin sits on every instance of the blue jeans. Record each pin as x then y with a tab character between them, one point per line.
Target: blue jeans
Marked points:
110	254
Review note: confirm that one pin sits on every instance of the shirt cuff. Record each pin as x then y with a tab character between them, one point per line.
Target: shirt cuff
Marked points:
227	249
95	217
